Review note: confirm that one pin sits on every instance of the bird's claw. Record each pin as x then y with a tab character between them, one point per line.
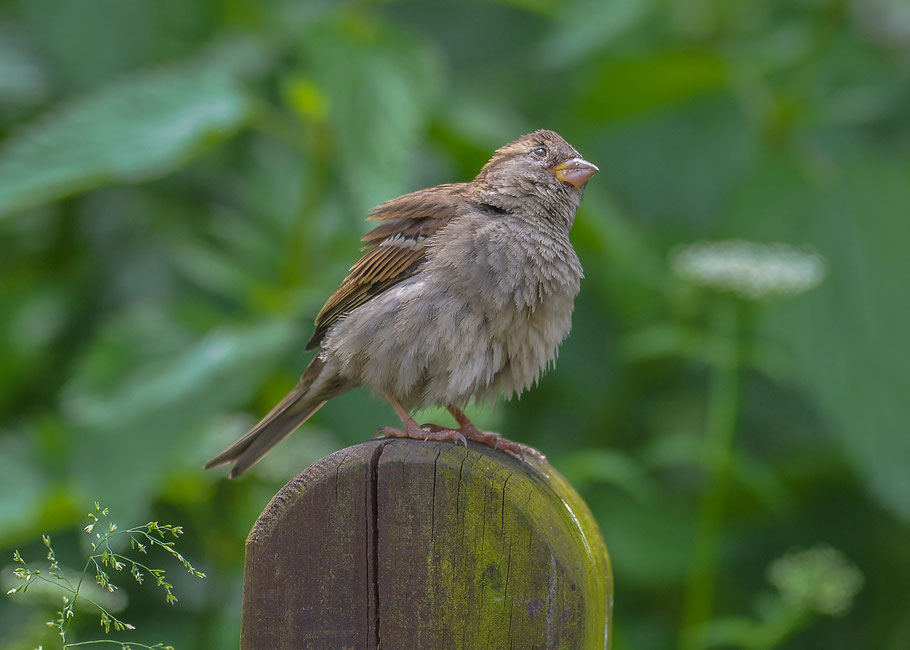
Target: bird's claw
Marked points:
424	432
439	433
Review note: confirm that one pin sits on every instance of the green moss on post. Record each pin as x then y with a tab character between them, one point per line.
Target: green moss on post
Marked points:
419	544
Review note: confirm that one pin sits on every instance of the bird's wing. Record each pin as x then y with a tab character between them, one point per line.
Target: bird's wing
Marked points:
396	249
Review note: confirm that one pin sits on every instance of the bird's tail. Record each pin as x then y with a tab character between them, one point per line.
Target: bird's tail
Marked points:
297	406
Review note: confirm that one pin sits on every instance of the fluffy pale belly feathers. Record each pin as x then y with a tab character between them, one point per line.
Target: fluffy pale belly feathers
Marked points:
437	341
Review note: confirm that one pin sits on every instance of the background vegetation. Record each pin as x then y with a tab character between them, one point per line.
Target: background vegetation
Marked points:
182	185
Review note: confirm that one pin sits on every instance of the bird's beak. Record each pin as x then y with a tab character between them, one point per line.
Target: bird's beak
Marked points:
575	172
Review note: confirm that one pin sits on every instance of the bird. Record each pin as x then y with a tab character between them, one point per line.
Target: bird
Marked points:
465	291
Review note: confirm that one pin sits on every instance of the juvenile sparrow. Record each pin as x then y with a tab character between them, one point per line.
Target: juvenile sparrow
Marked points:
466	291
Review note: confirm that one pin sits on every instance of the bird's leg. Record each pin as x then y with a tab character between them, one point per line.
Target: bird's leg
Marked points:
413	430
470	431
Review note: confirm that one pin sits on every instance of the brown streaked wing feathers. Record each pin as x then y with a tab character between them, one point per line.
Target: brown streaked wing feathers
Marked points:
411	218
420	204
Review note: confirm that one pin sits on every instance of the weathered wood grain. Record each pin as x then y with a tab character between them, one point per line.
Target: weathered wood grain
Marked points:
411	544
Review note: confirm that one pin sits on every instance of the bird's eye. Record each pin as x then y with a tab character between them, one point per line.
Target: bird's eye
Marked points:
540	152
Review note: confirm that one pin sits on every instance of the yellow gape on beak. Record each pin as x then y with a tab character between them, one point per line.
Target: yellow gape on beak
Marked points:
575	172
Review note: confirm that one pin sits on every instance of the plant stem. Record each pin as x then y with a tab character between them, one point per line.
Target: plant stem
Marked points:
781	626
723	412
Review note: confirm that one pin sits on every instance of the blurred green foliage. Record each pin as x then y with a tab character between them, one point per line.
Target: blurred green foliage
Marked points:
182	185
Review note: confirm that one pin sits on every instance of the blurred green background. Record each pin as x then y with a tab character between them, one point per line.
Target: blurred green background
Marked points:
182	184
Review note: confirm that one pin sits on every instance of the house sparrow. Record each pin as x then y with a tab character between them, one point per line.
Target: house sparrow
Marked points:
466	291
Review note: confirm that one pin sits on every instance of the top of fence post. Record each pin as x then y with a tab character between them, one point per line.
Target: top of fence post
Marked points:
412	544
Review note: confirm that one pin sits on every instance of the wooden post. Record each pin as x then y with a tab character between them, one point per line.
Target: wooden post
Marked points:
412	544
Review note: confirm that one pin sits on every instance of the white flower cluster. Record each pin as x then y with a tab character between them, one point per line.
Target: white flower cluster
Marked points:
820	579
749	269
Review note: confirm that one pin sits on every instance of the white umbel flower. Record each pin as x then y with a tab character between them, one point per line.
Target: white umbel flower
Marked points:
820	579
749	269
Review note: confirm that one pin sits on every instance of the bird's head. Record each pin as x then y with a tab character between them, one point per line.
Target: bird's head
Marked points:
540	167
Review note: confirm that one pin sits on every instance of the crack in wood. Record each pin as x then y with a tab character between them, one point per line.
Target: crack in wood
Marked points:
372	527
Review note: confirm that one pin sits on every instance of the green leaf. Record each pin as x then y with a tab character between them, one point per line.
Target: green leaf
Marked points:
139	128
613	468
625	88
479	121
848	336
674	168
649	546
23	80
379	84
127	427
591	25
22	483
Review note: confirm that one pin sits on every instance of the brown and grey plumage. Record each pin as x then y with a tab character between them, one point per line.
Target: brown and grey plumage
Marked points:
465	292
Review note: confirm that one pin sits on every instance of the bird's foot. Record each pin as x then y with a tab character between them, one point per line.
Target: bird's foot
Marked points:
423	432
491	439
496	441
439	433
